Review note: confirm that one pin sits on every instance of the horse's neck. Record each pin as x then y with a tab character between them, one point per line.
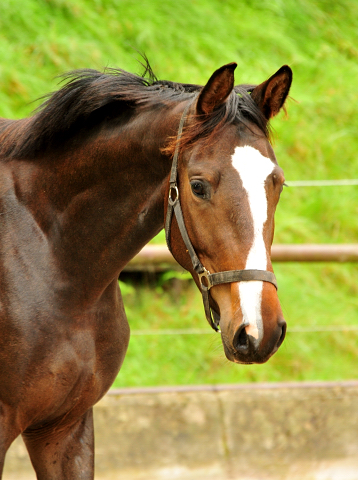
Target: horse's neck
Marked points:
119	206
99	205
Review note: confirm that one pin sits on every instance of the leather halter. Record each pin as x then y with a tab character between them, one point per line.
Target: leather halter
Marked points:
206	279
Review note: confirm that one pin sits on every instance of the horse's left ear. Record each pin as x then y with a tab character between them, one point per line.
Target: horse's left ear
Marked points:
216	91
271	95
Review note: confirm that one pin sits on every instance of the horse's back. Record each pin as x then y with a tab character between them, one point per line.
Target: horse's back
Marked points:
6	124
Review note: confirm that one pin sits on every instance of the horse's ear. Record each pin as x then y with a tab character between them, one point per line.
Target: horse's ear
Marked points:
271	95
217	89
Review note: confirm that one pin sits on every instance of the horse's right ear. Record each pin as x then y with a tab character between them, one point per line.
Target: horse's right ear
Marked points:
216	91
271	95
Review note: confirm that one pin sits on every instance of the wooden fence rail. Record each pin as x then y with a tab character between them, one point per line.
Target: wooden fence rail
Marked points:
158	257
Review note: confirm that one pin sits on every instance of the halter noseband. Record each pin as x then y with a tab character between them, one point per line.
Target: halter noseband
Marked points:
206	279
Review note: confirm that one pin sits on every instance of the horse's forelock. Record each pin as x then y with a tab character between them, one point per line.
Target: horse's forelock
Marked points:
239	108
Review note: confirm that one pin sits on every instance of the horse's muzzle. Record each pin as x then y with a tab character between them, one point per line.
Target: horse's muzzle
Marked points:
247	349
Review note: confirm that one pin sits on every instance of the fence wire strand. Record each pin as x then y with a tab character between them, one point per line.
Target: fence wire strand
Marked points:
201	331
322	183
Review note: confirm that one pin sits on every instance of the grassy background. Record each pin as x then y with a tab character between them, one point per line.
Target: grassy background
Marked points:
186	41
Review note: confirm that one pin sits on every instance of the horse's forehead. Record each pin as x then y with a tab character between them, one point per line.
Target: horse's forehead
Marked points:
252	166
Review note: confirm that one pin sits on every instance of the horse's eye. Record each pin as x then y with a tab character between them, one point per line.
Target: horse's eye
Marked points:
198	188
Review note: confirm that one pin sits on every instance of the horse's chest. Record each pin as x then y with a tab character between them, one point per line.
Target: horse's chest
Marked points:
62	366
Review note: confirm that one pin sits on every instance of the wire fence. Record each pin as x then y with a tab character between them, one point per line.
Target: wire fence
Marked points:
323	183
201	331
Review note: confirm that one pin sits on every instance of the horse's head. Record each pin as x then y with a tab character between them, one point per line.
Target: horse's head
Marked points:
229	184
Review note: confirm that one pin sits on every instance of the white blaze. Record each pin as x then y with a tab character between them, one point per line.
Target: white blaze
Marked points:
254	169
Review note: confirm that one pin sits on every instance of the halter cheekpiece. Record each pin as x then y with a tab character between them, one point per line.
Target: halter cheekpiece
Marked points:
206	279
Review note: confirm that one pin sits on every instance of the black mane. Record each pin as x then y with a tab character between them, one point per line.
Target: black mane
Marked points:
89	96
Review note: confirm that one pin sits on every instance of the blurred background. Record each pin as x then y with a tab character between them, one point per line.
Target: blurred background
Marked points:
185	41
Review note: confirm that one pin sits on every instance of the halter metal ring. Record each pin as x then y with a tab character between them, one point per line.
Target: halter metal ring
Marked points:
205	274
172	201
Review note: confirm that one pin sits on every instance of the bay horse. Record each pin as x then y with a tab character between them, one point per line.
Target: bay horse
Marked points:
86	182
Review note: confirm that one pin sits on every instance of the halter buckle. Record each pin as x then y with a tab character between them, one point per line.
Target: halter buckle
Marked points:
205	275
172	201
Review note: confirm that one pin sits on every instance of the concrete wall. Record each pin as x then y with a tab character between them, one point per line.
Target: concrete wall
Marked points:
304	431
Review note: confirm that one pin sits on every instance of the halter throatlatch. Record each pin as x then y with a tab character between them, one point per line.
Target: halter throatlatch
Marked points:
207	280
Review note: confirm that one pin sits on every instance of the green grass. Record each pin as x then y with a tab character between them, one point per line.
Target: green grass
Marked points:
186	41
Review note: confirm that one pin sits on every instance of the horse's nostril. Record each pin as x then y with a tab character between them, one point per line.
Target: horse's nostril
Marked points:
241	341
283	334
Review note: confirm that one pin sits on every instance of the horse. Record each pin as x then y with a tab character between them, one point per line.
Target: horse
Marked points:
86	182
